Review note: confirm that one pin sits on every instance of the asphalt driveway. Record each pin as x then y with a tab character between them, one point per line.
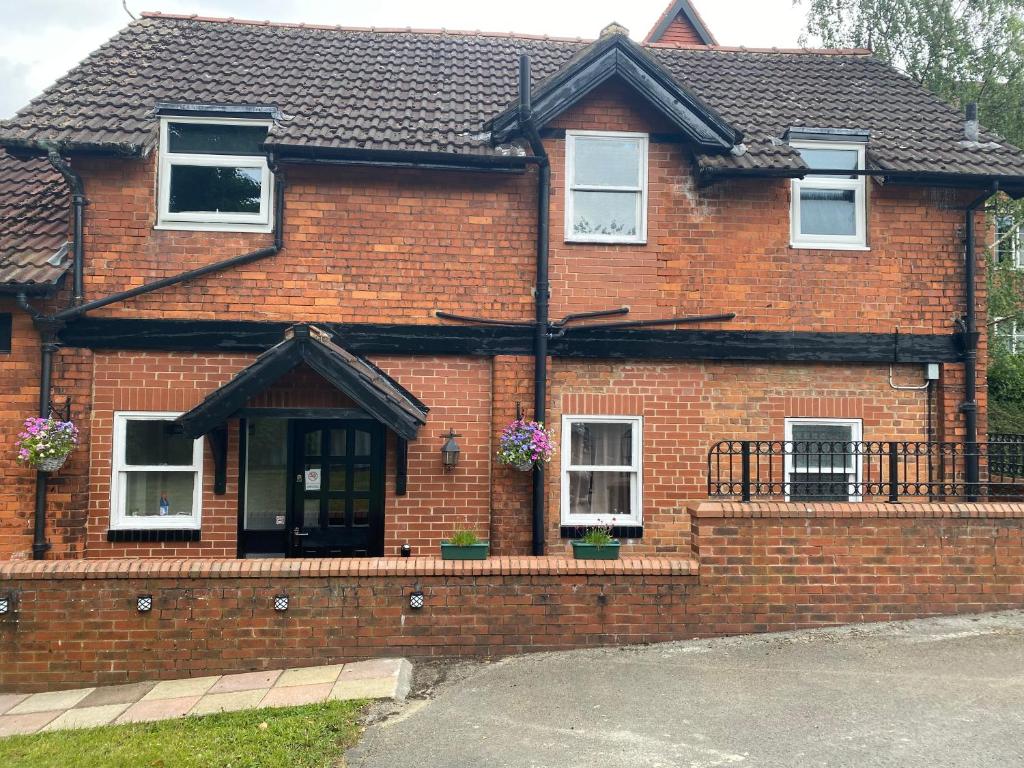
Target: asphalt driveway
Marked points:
936	692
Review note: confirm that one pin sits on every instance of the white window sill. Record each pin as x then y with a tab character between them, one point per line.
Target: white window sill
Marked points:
212	226
830	246
601	521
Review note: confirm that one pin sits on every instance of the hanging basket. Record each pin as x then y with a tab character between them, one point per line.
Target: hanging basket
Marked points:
523	466
51	463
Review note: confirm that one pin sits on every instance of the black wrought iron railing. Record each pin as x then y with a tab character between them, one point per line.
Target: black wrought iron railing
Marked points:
797	470
1006	454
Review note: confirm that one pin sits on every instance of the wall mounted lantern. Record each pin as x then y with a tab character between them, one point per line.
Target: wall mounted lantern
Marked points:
416	598
280	603
5	604
450	451
144	603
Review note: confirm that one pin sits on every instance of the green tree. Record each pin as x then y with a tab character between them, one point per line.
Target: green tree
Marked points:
963	51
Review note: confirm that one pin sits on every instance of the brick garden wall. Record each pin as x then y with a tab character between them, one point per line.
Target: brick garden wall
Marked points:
761	567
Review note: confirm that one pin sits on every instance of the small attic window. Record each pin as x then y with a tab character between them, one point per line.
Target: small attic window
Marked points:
829	211
214	175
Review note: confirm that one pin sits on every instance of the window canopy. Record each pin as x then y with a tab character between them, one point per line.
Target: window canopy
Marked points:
372	389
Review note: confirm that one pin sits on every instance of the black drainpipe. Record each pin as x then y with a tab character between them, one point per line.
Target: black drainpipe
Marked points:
969	406
48	330
78	203
542	290
49	326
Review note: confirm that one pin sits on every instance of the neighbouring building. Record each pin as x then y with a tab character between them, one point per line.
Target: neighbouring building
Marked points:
270	270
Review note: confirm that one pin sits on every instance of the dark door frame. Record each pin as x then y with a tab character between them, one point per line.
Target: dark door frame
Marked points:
273	542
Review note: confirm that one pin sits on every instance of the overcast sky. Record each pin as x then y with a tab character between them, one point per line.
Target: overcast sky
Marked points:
42	39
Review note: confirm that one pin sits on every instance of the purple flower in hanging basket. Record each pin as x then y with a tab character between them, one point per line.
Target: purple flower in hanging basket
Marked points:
523	444
45	439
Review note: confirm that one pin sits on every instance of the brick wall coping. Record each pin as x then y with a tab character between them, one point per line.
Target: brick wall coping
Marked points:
735	509
370	567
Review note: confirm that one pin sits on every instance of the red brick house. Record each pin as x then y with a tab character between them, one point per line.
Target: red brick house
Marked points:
268	269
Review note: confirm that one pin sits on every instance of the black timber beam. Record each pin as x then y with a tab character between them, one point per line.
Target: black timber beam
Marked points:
594	343
259	336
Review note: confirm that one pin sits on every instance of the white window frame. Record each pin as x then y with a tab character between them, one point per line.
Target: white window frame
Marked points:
1013	336
226	222
854	474
636	486
119	520
858	240
571	188
1015	238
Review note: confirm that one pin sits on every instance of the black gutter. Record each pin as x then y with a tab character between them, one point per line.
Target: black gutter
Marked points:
969	406
192	274
78	203
932	177
542	290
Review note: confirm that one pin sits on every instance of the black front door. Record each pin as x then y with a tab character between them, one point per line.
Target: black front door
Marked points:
337	499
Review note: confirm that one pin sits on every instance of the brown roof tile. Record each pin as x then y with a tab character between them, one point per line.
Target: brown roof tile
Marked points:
33	222
432	91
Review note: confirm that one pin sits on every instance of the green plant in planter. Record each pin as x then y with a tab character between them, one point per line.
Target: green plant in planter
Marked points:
464	545
462	539
597	543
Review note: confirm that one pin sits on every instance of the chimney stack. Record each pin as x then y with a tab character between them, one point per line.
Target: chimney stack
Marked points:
971	123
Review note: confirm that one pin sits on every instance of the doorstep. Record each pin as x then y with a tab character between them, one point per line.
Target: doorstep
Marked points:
145	702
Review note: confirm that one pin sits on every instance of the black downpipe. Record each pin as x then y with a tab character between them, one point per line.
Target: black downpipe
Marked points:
192	274
969	406
48	346
542	289
49	326
78	203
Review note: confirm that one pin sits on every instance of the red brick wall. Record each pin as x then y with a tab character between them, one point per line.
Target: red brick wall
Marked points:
680	32
775	567
762	567
437	502
392	246
687	407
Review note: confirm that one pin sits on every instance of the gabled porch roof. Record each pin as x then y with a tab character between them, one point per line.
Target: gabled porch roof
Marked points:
372	389
616	56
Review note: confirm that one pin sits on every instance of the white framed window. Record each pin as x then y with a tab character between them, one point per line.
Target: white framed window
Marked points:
157	479
213	175
1012	334
1009	242
606	187
823	460
602	470
829	211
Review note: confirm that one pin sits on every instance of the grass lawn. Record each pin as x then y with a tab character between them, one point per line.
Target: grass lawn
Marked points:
297	737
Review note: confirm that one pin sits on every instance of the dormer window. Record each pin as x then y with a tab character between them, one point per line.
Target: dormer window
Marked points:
606	187
829	211
214	175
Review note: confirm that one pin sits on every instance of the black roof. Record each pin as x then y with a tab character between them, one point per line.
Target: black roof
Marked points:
352	90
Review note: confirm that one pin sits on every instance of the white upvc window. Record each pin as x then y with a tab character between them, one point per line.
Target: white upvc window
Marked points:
602	470
829	211
823	460
606	187
1012	334
213	175
157	479
1009	242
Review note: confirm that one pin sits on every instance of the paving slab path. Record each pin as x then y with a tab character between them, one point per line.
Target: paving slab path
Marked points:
143	702
934	693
